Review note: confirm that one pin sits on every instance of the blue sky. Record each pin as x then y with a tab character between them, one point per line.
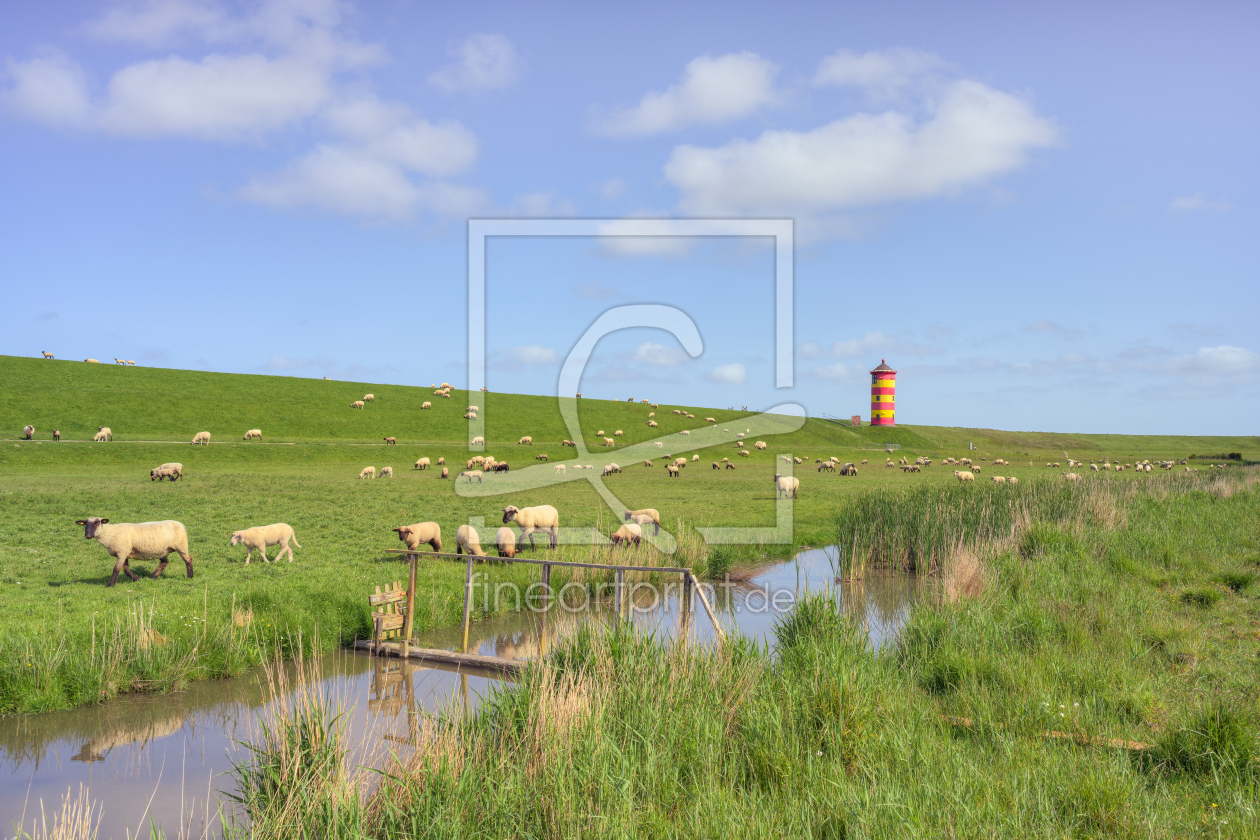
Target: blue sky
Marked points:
1044	218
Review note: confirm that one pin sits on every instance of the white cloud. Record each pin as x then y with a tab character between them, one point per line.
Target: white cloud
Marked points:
732	374
50	88
861	346
972	134
1218	361
809	350
484	62
650	353
612	189
518	358
1199	203
159	22
390	132
880	72
641	238
712	91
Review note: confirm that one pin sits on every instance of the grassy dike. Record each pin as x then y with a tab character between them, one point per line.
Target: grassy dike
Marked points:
1111	611
66	640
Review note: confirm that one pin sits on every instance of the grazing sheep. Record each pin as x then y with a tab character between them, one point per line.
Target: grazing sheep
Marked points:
541	457
446	384
617	433
445	396
100	437
710	420
654	405
600	433
559	468
609	442
172	471
418	534
47	355
368	472
658	444
473	409
1012	480
997	479
1094	467
672	470
505	540
369	397
131	361
739	435
964	476
202	438
468	541
56	434
263	536
647	463
761	444
676	411
829	466
786	484
426	404
478	441
849	469
445	473
391	441
387	472
651	424
470	475
143	541
651	414
28	431
629	533
471	415
695	458
531	519
684	432
501	467
104	433
254	433
357	404
92	361
422	464
863	462
609	469
715	465
1073	477
729	465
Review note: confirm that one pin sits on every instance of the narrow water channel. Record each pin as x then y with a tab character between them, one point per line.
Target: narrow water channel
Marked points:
161	761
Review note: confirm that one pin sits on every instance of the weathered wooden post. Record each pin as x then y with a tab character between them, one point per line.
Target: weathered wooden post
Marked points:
617	597
467	600
546	607
717	628
684	606
411	607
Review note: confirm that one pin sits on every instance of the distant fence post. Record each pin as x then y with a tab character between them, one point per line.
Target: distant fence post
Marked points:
467	600
411	606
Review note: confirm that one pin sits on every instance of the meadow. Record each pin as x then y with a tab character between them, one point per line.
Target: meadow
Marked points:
65	639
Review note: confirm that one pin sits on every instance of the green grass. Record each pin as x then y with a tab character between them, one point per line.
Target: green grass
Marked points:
52	580
1079	628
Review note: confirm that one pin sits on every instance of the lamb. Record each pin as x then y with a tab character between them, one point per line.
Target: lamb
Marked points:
386	472
47	355
470	475
560	468
647	463
422	464
729	465
600	433
56	434
567	442
99	437
964	476
848	469
526	441
505	540
28	431
726	460
369	397
143	541
802	460
172	471
468	541
658	444
651	424
651	414
478	441
863	462
974	468
541	457
531	519
744	452
695	458
997	479
471	415
104	433
441	461
418	534
672	470
131	361
202	438
609	469
263	536
445	473
254	433
627	534
368	472
609	442
684	432
357	404
715	465
426	404
617	433
786	484
391	441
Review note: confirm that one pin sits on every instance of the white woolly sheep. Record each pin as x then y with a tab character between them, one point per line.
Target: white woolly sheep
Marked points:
695	457
131	361
1012	480
802	460
93	361
387	472
468	541
710	420
253	433
104	433
651	414
202	438
505	542
369	397
560	468
56	435
422	464
651	424
609	469
173	471
739	435
470	475
729	465
964	476
1094	467
685	432
263	536
822	465
441	461
471	415
28	432
672	470
745	453
761	444
391	441
478	441
531	519
367	472
357	404
1073	477
996	479
600	433
627	534
47	355
609	442
126	541
658	444
525	441
445	473
418	534
426	404
786	484
541	456
617	433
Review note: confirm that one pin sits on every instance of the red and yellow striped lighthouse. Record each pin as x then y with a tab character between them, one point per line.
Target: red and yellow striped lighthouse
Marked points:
883	395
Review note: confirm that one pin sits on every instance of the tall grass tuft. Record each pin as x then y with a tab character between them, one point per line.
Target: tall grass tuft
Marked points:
78	819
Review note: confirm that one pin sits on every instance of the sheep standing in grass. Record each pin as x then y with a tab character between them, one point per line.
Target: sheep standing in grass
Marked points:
470	475
479	441
531	519
627	534
651	424
104	433
468	541
357	404
505	541
525	441
729	465
172	471
254	433
93	361
369	397
617	433
419	534
672	470
560	468
426	404
541	456
28	432
1074	478
786	484
391	441
998	479
964	476
202	438
761	444
56	435
143	541
445	473
609	469
422	464
368	472
263	536
387	472
609	441
47	355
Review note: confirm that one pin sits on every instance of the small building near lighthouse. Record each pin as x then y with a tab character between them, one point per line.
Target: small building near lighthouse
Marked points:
883	395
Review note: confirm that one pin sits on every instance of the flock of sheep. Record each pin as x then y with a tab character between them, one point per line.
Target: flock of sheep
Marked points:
48	355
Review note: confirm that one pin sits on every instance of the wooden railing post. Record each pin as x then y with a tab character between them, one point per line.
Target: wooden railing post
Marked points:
617	597
717	628
411	606
546	607
467	600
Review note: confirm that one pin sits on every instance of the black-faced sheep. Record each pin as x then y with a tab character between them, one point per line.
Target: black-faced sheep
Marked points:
729	465
672	470
531	519
420	533
627	534
369	397
143	541
426	404
786	484
643	516
28	432
422	464
56	435
467	541
264	535
47	355
505	539
445	473
387	472
103	433
391	441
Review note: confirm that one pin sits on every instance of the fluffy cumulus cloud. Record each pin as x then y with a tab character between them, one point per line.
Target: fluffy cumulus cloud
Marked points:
1222	361
713	90
1199	202
732	374
277	65
878	72
482	62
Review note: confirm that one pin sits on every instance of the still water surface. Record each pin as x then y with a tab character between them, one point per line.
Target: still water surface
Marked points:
161	760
